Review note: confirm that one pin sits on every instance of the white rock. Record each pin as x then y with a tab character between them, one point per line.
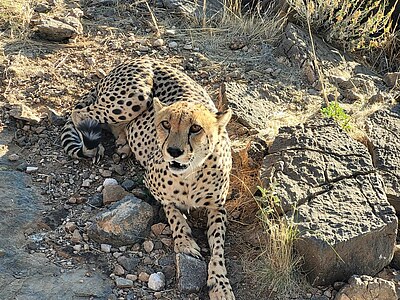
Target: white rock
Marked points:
86	183
158	43
156	281
188	47
173	45
13	157
31	169
148	246
105	248
110	181
77	247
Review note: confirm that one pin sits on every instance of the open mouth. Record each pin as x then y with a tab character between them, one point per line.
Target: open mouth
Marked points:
175	166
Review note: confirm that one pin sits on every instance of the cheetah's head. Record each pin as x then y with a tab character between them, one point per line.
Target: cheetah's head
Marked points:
187	133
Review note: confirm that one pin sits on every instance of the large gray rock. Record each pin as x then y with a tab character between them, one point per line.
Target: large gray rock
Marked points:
383	131
126	222
327	180
33	276
248	105
367	288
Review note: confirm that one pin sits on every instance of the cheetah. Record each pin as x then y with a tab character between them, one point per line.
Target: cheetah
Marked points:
170	125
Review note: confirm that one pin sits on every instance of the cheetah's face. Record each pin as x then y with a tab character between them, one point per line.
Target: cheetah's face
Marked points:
187	133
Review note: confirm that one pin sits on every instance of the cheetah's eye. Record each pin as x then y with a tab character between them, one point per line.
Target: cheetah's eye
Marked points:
195	128
166	125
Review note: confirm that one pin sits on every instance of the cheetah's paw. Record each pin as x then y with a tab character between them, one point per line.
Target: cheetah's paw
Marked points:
99	154
220	288
124	151
187	246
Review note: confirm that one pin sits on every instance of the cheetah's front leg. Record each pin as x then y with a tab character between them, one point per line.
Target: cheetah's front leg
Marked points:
218	283
181	231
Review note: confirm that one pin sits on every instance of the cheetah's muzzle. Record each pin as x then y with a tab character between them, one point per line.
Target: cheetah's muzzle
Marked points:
177	167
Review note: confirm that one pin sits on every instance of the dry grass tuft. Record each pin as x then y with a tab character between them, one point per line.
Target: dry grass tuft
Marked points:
15	17
354	25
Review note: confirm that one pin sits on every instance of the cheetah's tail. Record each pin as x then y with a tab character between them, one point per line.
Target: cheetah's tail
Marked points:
79	141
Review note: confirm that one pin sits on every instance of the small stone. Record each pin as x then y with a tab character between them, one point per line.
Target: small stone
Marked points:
157	295
191	273
328	293
158	228
120	169
76	236
31	169
188	47
395	263
148	261
105	173
113	193
86	183
72	200
123	283
91	60
170	31
22	167
70	226
122	248
40	129
148	246
77	247
129	263
105	248
110	181
392	79
167	231
167	242
172	45
132	277
42	8
128	185
96	200
156	281
143	276
101	73
338	285
143	48
13	157
118	270
158	43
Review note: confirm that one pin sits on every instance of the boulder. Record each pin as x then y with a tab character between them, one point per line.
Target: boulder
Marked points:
326	181
126	222
60	30
367	288
383	132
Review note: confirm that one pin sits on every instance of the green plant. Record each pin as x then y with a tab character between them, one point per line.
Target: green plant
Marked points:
335	111
351	24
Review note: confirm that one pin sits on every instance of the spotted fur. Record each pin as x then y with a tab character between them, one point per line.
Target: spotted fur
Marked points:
171	126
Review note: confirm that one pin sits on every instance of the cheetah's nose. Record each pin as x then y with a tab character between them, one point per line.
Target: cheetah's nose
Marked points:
174	152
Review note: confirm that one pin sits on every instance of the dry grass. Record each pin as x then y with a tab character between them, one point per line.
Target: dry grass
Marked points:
354	25
14	17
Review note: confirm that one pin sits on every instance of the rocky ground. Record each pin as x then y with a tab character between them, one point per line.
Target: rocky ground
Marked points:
53	244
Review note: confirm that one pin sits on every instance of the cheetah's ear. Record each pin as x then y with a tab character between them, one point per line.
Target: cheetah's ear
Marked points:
224	117
157	104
